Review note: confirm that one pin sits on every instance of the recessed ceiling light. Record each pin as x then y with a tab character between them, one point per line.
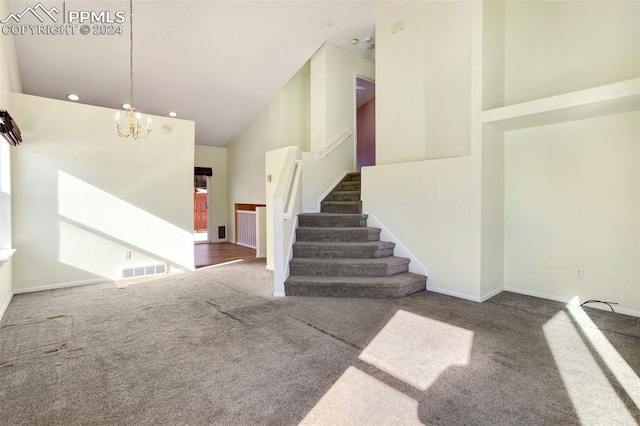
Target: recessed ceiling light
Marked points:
73	97
126	106
354	41
173	114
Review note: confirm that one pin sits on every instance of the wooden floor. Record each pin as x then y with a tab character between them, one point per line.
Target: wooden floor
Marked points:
215	253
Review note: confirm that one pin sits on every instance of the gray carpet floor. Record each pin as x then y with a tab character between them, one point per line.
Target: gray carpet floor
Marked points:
213	347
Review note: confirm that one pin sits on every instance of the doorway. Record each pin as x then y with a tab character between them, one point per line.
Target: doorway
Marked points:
365	122
201	208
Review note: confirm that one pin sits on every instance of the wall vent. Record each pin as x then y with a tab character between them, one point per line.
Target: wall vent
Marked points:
141	271
222	232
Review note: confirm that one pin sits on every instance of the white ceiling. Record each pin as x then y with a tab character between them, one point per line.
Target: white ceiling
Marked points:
217	63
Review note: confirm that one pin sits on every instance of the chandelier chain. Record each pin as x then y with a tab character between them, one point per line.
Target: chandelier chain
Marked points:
131	52
134	127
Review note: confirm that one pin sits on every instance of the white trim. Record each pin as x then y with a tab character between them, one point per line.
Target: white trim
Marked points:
328	191
415	265
618	310
6	254
292	240
278	294
4	308
209	211
293	190
245	245
335	144
621	96
452	293
491	294
61	285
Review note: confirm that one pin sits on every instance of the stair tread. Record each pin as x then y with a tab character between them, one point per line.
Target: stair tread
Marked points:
326	214
405	278
338	229
389	260
343	244
341	202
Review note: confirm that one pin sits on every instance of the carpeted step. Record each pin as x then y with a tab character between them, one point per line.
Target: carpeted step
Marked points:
352	207
332	220
352	177
343	196
400	285
331	250
381	267
348	186
338	234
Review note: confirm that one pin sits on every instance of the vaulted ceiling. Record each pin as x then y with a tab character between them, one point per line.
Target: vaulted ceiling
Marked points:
217	63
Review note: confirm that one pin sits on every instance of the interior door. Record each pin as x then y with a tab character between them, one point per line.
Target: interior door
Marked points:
201	209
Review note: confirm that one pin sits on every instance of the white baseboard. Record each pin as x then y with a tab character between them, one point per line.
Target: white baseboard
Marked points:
618	310
245	245
491	294
4	307
452	293
279	294
400	250
61	285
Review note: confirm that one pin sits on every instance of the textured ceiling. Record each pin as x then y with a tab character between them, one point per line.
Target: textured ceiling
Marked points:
217	63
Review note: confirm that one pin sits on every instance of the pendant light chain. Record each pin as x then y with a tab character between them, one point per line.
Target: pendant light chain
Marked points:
131	52
134	127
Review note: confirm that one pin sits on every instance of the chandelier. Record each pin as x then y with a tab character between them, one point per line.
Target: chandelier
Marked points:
134	127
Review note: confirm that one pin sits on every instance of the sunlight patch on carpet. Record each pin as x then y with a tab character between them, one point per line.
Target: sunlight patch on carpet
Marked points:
359	399
588	387
417	350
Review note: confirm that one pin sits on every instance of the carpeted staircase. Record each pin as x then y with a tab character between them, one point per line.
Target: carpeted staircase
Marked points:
336	254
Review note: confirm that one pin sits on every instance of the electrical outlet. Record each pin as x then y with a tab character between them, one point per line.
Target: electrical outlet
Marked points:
579	273
127	254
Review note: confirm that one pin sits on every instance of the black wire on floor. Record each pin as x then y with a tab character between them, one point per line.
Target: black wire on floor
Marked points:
600	301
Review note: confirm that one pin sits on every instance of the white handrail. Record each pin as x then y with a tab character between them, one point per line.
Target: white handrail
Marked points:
293	190
335	144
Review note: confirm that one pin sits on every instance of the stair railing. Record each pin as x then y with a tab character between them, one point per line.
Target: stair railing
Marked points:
335	144
293	190
286	203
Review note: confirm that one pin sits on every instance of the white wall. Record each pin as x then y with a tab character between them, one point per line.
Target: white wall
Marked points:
555	47
493	57
424	77
274	163
333	112
571	189
427	187
278	125
216	158
320	175
492	242
333	88
431	207
572	200
9	82
83	195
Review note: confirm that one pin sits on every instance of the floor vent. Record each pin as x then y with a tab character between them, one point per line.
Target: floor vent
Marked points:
141	271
